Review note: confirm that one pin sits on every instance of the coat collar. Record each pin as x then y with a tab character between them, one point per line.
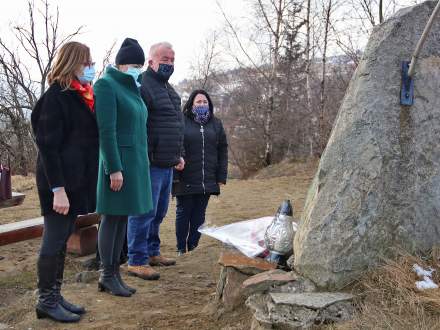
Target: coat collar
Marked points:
75	94
121	77
84	105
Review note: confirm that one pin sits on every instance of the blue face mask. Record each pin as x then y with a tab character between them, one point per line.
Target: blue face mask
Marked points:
201	114
165	70
88	75
135	73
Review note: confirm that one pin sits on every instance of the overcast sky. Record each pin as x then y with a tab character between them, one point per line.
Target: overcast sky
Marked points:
184	23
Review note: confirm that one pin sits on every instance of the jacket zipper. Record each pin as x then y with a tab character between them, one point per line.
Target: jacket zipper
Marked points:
203	158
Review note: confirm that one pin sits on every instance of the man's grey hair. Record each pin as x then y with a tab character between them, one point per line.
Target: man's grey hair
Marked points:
155	47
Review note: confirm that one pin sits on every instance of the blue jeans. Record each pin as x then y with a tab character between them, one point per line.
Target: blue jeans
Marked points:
143	230
190	215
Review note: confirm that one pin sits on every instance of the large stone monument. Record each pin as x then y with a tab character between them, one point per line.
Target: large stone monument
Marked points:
378	182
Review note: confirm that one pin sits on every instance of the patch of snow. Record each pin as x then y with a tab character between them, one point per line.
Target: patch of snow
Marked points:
422	272
427	283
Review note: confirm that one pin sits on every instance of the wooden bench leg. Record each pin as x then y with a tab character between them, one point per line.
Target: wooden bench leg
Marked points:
83	241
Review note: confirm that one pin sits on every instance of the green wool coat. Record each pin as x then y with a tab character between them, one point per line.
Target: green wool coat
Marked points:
122	122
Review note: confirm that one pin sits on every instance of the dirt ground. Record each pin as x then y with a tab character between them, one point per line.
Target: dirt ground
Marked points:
176	301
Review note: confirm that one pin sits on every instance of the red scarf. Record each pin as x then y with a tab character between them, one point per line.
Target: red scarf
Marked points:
86	92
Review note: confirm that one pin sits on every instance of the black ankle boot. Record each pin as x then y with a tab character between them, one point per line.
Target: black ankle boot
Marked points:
56	312
48	297
109	282
123	284
59	282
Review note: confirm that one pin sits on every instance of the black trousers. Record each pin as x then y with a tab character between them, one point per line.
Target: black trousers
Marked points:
124	253
190	215
111	237
50	264
57	230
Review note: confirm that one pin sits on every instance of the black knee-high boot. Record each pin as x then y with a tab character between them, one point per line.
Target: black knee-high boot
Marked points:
48	296
59	282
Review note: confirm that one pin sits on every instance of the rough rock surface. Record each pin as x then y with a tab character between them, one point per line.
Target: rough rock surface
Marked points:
301	284
299	311
314	300
378	181
232	295
87	276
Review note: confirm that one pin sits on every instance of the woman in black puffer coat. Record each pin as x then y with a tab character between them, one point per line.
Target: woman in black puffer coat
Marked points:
206	167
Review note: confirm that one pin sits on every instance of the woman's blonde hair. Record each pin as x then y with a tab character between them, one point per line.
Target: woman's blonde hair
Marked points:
71	56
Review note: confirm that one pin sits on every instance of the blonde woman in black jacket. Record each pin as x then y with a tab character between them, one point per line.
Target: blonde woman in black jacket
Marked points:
206	167
66	134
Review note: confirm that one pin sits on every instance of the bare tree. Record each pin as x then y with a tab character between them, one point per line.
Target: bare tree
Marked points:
23	75
106	59
380	11
312	41
41	50
362	15
348	25
328	8
308	50
206	62
271	21
287	69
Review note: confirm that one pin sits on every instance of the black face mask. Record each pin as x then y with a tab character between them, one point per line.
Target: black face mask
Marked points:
165	70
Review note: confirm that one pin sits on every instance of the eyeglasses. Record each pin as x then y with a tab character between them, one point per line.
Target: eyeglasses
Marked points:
89	64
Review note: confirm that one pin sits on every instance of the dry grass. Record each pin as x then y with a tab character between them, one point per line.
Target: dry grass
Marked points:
23	183
173	302
305	168
390	300
30	207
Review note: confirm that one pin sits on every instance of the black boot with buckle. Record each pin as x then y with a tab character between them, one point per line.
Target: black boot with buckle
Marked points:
49	305
59	282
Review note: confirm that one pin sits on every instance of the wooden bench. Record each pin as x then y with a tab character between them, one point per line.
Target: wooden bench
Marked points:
17	199
81	242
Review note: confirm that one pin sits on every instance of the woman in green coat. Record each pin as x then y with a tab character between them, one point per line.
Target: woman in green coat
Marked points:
124	186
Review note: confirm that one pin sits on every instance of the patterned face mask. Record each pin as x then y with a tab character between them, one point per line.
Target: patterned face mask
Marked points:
165	70
201	114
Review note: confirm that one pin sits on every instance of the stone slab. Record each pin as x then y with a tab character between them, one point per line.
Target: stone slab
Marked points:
312	300
264	281
246	265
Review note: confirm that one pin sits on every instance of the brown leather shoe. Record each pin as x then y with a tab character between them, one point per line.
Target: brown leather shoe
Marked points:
161	261
144	272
